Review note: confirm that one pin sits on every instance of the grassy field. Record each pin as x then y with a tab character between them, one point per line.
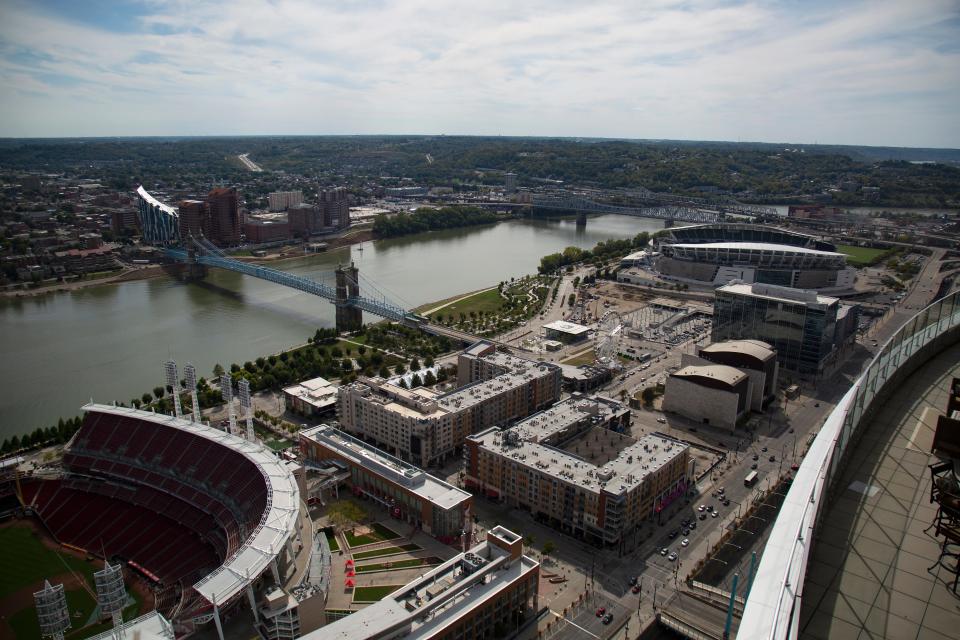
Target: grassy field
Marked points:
386	551
587	357
374	594
25	560
862	256
399	564
380	533
489	301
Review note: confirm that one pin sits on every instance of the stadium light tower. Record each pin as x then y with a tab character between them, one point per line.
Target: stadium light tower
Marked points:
170	367
226	389
52	613
243	387
190	373
111	592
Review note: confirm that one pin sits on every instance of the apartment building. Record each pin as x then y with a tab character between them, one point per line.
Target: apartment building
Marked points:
425	427
572	470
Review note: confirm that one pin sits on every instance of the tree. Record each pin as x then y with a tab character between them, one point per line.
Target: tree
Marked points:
218	370
429	379
549	547
158	392
344	513
384	372
416	381
647	395
399	369
347	365
403	383
415	365
146	397
361	350
571	299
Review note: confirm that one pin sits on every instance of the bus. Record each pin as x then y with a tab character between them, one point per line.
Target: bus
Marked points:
751	479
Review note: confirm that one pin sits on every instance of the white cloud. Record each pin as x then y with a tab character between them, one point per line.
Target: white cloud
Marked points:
861	73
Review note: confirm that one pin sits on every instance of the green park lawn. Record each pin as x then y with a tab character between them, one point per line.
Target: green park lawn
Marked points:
374	594
386	551
587	357
399	564
332	540
862	256
380	533
489	301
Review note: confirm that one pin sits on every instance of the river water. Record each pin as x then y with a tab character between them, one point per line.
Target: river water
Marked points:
109	342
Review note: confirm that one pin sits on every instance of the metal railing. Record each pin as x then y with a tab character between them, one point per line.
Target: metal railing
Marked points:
773	610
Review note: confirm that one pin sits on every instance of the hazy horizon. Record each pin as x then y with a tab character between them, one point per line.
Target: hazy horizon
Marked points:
878	73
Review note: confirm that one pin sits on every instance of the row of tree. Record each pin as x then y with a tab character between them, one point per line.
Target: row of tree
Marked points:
401	224
602	251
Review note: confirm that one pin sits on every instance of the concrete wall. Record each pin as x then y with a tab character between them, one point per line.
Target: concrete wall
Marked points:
698	403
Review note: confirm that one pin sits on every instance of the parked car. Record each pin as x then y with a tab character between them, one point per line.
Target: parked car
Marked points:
753	466
672	557
684	542
601	611
664	551
607	618
636	588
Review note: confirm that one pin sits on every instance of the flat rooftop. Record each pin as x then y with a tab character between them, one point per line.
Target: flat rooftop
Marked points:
780	294
435	601
418	481
719	372
318	392
567	327
620	475
545	425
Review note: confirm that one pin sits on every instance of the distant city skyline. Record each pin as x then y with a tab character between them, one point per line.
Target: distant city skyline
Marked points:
881	73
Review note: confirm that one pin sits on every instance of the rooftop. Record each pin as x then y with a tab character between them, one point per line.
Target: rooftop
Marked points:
153	201
758	246
435	601
428	487
719	372
277	524
782	294
319	392
755	348
566	327
620	475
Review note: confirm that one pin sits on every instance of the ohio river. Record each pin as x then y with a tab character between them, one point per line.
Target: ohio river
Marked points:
109	343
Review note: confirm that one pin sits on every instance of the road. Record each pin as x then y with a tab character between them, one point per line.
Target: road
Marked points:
248	163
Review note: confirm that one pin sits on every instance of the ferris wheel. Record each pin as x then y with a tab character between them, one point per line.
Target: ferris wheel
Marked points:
609	334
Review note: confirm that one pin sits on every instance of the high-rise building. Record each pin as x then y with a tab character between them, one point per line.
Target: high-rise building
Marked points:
194	218
510	182
336	208
159	223
800	324
283	200
224	203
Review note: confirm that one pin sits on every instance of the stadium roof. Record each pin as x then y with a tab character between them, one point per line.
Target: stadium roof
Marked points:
149	198
277	524
757	246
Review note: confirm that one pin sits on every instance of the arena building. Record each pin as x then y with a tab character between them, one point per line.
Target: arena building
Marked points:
486	592
716	254
409	493
208	520
424	427
554	465
713	394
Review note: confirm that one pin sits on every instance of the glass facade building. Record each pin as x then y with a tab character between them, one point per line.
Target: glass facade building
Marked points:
799	324
160	223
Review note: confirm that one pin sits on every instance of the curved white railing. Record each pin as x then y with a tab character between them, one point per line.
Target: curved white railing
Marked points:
773	609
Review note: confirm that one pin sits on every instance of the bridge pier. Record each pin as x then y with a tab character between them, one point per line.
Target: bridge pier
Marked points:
581	218
349	318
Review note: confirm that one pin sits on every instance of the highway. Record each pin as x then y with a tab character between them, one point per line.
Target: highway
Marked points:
248	163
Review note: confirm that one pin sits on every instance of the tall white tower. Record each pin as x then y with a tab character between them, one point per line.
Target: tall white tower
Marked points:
190	373
243	388
170	367
226	389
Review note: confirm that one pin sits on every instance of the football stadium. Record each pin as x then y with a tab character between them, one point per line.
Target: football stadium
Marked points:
717	254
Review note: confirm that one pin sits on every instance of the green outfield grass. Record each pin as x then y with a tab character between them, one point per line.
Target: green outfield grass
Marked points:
24	560
863	256
489	301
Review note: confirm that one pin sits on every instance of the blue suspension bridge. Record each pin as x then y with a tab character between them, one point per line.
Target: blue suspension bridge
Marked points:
199	254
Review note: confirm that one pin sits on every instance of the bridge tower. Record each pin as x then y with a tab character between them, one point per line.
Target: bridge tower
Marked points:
194	270
349	317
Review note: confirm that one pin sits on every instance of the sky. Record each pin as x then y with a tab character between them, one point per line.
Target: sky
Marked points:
877	72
